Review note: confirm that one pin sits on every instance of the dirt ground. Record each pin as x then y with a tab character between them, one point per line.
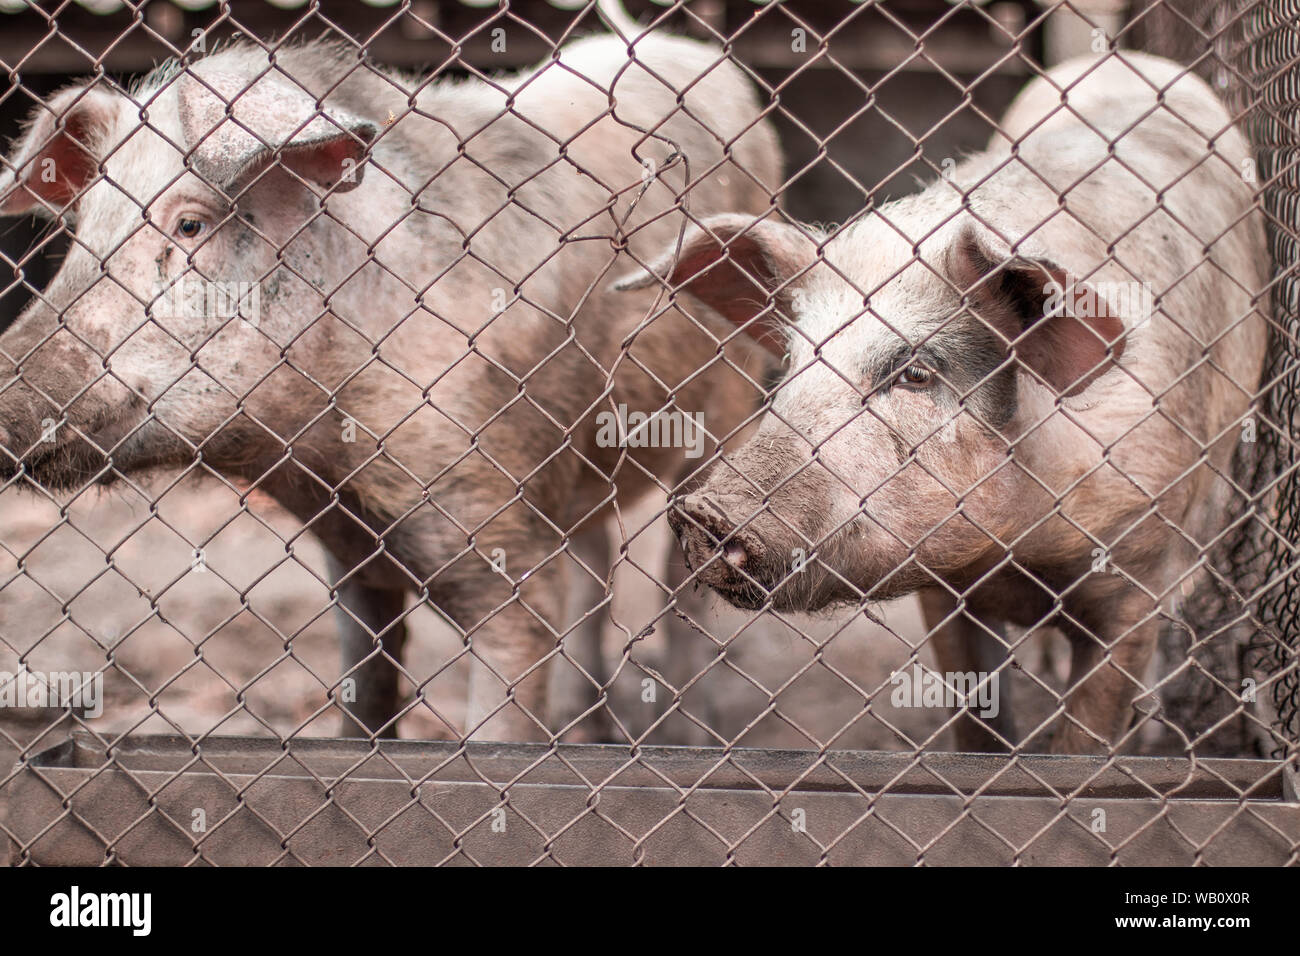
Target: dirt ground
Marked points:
243	642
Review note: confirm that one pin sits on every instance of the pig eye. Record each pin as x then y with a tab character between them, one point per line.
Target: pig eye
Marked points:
189	228
915	376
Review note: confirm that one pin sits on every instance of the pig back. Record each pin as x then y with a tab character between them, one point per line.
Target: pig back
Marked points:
1153	206
530	196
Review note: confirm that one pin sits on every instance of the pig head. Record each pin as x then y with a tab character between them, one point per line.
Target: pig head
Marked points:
164	337
886	457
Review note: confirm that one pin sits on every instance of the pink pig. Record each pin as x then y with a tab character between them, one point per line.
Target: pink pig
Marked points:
1016	392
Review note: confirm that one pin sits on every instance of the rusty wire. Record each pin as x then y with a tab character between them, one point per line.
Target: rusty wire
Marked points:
1236	625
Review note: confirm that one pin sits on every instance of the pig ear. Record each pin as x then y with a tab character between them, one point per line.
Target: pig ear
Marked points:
1060	328
58	156
738	265
239	128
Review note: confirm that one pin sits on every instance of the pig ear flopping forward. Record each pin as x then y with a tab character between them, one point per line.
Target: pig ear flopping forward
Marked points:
240	128
58	156
1059	327
742	267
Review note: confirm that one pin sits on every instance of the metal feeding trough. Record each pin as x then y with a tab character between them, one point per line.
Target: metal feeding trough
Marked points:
163	800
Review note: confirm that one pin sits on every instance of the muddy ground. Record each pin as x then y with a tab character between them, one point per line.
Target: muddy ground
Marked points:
243	642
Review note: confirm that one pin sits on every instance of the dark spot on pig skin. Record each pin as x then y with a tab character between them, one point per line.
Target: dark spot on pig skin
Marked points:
271	286
974	359
161	262
1175	252
969	361
244	239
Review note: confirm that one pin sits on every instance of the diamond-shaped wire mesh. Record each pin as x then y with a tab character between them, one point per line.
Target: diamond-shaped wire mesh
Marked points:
462	374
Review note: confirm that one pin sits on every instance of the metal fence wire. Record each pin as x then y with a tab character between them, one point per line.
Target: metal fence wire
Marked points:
837	389
1248	51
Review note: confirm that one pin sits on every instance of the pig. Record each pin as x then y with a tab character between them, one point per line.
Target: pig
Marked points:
383	300
1017	392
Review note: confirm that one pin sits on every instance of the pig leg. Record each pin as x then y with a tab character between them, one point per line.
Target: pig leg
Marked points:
964	644
372	622
688	653
373	619
510	624
572	691
509	668
1099	703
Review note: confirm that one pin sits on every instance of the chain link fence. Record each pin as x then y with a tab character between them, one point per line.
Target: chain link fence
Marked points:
803	401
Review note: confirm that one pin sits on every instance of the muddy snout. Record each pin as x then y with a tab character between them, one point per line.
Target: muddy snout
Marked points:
729	545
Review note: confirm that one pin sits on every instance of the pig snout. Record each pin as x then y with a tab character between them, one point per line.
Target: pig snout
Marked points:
58	424
729	547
